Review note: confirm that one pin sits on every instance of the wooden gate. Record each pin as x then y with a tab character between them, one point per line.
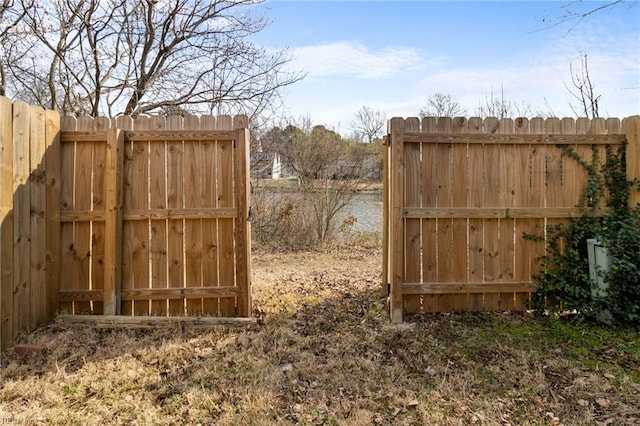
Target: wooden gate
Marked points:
460	194
154	216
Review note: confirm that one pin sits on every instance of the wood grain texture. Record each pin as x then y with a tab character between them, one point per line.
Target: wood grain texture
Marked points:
243	225
113	244
6	224
483	184
175	227
397	231
412	227
226	198
21	218
38	213
158	226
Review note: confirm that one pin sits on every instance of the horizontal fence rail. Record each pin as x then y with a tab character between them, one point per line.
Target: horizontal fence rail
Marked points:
460	194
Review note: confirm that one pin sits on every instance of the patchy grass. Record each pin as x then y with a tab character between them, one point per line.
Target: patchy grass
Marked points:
325	354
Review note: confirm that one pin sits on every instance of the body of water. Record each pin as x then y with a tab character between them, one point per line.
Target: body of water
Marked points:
367	208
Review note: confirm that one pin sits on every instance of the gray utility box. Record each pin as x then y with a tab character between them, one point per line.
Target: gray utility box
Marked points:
599	265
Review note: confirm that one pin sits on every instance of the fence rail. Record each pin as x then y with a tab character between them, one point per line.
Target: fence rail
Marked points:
138	217
459	195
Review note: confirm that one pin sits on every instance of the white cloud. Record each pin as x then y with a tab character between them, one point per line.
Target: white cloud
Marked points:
542	83
353	59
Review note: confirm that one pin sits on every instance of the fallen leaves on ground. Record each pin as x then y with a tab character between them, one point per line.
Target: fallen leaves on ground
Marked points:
325	353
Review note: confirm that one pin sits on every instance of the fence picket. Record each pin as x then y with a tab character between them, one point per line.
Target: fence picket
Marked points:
193	188
460	198
412	198
82	183
429	225
140	228
243	224
175	200
158	227
226	198
476	226
6	223
126	306
21	221
210	268
38	201
113	252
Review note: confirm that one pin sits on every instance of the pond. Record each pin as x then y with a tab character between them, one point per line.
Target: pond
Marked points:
367	208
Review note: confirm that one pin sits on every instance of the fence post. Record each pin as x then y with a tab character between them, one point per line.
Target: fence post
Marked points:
113	223
396	235
632	132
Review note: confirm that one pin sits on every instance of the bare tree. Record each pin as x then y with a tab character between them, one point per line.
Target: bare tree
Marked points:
500	107
329	171
583	91
133	57
441	105
10	18
369	124
575	12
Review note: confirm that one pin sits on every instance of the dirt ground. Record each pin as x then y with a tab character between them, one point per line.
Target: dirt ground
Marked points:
324	353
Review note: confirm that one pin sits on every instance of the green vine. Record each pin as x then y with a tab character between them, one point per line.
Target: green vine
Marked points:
565	283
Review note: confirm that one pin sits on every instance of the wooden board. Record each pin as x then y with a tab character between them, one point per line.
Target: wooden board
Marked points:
82	200
38	213
244	302
208	199
429	168
412	227
175	227
460	198
21	218
126	123
113	247
158	228
6	223
476	188
193	189
226	198
98	233
140	228
396	231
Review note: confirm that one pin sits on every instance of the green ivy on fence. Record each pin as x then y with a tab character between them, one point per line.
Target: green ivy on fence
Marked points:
565	283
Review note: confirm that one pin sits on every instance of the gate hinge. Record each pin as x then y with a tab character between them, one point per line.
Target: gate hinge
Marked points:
388	289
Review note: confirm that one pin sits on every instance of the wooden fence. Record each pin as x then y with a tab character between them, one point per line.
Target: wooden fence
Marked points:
460	194
132	217
28	240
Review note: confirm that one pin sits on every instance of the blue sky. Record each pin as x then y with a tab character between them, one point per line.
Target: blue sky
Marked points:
391	56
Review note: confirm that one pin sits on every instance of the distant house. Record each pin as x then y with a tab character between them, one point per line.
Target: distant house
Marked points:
266	165
276	167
